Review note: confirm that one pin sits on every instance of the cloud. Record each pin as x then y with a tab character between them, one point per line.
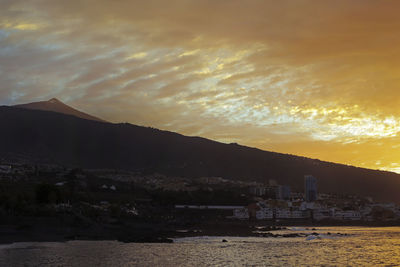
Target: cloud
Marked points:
316	78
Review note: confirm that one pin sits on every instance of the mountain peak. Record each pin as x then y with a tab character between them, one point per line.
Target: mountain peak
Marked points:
56	105
54	101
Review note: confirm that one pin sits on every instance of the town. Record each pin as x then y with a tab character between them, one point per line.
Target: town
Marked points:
119	194
277	202
281	204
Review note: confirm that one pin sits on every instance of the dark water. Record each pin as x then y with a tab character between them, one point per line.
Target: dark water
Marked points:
362	247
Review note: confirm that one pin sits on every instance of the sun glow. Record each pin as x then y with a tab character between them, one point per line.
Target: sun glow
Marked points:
323	86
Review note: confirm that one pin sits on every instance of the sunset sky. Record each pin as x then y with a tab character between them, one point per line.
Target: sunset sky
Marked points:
314	78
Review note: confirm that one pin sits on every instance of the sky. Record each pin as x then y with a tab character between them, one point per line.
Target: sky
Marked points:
314	78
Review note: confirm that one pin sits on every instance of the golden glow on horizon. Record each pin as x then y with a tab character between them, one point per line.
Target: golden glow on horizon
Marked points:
311	78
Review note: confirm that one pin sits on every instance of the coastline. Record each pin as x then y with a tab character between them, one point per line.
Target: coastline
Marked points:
56	230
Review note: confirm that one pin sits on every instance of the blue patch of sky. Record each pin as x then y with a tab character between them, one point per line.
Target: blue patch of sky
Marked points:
3	34
108	54
16	94
51	47
7	50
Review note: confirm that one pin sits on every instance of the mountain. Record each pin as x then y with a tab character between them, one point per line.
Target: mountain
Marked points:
56	105
51	137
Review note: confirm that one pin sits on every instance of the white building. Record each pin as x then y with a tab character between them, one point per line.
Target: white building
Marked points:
323	213
241	213
298	214
265	213
283	214
347	215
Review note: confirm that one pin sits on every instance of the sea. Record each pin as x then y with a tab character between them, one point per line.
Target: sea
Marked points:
333	246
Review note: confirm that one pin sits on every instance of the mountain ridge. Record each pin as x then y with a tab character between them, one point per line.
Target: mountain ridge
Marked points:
72	141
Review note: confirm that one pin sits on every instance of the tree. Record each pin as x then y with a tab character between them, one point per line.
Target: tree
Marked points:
47	193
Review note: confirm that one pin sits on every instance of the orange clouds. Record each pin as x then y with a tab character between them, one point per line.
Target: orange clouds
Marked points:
314	78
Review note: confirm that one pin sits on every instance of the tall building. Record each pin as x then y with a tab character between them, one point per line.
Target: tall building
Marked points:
310	188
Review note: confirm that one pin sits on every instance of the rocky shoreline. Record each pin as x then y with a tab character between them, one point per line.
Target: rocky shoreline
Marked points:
61	230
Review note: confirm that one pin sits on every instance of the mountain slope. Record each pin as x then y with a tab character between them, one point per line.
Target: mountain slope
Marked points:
56	105
68	140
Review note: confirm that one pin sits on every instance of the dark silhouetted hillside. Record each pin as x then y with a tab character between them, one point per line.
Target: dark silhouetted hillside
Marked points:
69	140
